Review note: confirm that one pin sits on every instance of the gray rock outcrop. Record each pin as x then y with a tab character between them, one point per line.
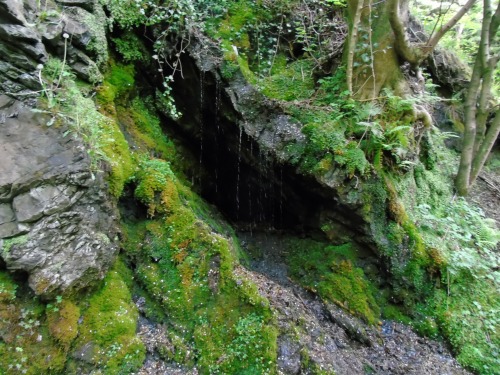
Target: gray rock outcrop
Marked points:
56	221
28	31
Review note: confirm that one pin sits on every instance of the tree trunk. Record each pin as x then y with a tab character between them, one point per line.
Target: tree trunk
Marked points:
378	46
375	63
478	141
485	149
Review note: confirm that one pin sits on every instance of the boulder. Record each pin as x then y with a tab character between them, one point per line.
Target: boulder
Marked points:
48	193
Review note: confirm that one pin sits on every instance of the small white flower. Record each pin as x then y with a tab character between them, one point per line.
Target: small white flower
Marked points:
65	35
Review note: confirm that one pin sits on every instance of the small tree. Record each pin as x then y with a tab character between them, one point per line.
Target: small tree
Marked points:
378	45
478	138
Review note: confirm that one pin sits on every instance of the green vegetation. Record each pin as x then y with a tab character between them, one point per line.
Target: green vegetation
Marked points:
33	330
67	103
9	242
433	246
331	272
218	321
109	326
382	155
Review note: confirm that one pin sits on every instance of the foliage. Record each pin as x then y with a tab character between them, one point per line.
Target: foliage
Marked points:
461	40
105	142
459	242
470	239
468	316
130	47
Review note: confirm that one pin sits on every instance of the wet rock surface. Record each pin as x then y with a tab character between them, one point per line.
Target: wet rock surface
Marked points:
50	197
243	140
155	339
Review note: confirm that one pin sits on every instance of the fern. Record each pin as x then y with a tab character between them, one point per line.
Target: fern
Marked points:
487	236
377	159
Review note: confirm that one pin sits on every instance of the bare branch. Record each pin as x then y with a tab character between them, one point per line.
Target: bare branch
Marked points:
431	44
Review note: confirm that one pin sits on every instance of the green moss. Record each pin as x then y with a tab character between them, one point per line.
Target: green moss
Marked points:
289	82
329	270
9	242
7	288
110	323
117	84
118	154
395	313
26	340
152	177
187	268
63	322
141	121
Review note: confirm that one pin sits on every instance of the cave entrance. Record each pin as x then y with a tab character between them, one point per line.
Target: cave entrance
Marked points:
231	171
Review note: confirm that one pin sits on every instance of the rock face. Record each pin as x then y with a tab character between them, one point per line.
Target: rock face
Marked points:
56	222
28	31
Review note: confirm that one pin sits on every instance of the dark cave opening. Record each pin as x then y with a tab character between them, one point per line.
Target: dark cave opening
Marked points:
228	168
232	171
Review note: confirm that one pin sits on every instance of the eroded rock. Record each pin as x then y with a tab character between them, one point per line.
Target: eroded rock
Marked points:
26	35
48	191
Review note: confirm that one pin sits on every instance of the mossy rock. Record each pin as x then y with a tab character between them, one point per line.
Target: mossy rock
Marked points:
330	271
109	325
63	322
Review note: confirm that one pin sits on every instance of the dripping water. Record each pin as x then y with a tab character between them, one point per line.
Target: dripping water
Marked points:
202	90
217	124
281	197
260	207
250	193
238	175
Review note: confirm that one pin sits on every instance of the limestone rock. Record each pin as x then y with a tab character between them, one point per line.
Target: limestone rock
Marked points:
43	200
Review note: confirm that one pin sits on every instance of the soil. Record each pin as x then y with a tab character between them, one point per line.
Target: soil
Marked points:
486	194
321	335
